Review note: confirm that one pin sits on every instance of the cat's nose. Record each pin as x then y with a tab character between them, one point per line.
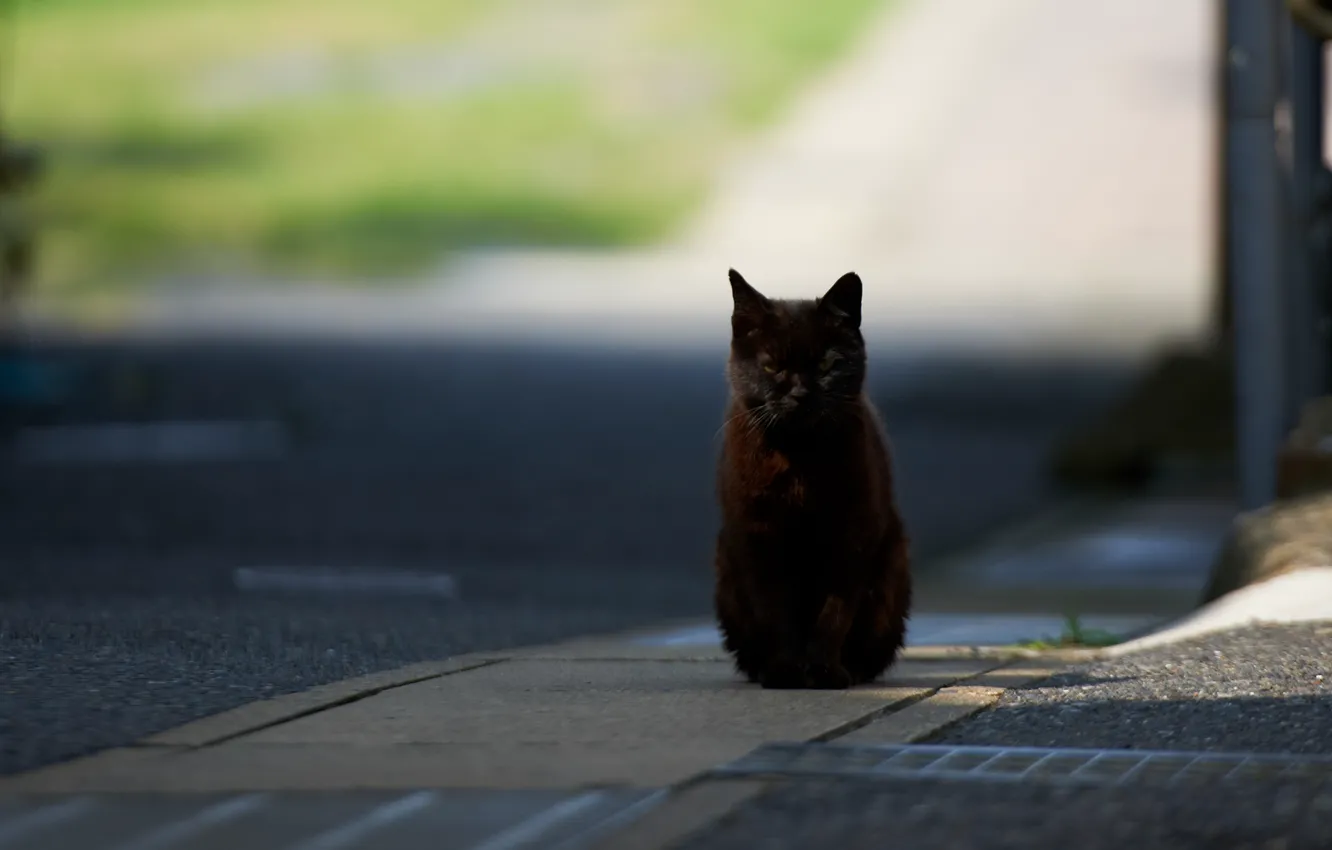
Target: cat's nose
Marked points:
798	389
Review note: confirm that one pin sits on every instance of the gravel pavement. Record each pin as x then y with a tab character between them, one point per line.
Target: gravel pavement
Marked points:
567	492
1257	689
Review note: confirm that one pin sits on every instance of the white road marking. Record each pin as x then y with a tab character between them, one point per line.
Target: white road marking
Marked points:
353	831
197	823
527	831
313	580
612	822
15	830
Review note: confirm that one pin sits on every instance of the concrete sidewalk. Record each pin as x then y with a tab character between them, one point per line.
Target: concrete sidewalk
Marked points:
613	711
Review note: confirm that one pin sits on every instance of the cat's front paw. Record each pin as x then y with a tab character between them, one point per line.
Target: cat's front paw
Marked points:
783	674
827	676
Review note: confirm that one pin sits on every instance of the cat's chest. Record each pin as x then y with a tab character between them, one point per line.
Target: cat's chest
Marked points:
778	483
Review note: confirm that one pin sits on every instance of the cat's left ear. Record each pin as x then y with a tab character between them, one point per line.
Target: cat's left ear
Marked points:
842	301
751	307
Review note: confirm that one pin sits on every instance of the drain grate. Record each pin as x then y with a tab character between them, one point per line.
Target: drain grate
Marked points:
1025	764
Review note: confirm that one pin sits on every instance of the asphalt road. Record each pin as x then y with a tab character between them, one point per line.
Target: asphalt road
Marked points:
566	491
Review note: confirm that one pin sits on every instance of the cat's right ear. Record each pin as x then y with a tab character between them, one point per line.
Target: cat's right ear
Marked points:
751	307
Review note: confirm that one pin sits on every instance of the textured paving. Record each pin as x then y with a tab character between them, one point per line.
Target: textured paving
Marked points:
931	814
1035	765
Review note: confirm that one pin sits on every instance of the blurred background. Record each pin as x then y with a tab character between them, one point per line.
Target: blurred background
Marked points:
368	142
342	334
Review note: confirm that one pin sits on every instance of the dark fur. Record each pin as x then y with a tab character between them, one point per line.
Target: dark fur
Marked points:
813	580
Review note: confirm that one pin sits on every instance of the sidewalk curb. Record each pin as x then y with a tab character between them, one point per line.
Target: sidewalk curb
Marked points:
1300	594
1272	541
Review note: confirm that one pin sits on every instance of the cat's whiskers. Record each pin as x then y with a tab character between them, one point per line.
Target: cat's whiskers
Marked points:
744	413
768	416
753	419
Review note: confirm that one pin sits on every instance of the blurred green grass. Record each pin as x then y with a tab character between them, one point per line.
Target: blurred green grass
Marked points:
358	140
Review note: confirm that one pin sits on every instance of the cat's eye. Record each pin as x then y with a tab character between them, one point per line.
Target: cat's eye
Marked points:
828	360
769	368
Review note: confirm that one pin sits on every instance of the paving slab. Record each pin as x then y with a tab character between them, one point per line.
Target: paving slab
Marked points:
541	721
258	715
949	705
926	717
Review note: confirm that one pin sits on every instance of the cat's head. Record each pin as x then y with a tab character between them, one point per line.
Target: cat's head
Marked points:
797	360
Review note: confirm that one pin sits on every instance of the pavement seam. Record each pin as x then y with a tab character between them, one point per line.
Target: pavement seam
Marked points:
861	722
979	707
903	704
965	685
331	704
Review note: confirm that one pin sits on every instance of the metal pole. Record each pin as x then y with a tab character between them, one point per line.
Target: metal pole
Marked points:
1256	242
1223	325
1306	310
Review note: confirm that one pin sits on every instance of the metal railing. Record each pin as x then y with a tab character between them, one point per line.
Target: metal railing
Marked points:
1277	194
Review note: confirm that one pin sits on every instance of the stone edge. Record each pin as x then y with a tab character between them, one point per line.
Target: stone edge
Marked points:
1283	543
1301	595
1284	537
